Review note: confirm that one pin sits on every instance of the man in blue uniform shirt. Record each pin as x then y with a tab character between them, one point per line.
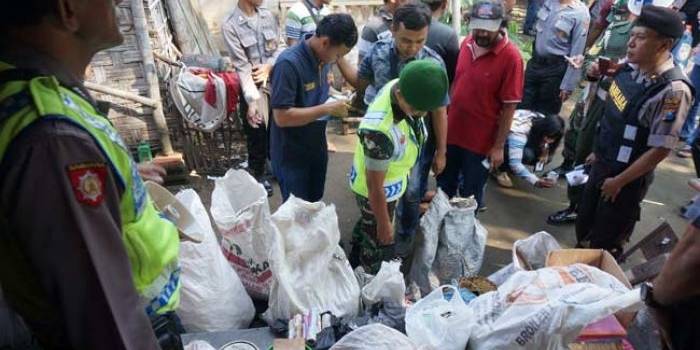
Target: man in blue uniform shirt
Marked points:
299	94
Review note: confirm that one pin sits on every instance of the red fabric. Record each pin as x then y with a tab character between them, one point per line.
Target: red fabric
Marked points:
210	91
233	88
88	181
479	90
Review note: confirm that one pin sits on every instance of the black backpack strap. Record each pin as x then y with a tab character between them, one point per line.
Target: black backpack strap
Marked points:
14	103
674	74
15	74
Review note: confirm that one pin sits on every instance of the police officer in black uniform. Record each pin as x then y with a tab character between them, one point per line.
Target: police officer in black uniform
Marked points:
646	106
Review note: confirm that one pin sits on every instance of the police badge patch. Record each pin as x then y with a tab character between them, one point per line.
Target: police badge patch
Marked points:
671	104
88	182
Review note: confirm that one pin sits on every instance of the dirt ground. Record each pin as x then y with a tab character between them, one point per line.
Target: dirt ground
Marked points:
515	213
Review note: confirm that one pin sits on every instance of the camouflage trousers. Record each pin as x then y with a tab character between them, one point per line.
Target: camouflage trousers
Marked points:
366	251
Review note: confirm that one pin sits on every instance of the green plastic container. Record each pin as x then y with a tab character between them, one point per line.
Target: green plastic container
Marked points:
144	152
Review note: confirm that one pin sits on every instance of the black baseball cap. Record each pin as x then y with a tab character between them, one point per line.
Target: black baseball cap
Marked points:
486	15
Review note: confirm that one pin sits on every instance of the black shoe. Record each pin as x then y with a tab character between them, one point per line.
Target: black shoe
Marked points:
564	168
562	217
268	187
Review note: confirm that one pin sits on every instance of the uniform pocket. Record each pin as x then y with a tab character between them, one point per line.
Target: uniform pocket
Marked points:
541	18
270	41
249	42
563	29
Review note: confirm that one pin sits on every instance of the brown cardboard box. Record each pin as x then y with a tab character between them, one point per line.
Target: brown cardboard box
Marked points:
598	258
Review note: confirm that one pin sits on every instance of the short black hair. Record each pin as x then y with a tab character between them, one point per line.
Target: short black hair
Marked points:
27	13
340	28
434	5
413	15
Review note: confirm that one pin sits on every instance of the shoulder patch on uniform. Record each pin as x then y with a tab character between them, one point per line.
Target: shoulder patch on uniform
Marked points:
376	145
670	105
88	182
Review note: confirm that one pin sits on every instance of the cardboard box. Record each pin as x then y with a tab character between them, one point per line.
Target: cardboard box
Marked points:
598	258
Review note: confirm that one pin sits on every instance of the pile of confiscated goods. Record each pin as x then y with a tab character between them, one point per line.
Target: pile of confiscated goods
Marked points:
548	298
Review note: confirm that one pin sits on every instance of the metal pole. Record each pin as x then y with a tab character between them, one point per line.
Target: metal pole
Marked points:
149	66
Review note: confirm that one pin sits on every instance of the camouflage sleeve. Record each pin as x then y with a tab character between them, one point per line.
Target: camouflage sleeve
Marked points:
378	149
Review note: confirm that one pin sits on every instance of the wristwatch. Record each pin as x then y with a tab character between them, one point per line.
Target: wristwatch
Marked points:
647	294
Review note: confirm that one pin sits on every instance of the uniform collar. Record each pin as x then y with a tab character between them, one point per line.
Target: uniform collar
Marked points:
647	78
308	52
42	64
45	65
241	17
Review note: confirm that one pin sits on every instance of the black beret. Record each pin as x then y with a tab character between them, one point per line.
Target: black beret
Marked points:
663	20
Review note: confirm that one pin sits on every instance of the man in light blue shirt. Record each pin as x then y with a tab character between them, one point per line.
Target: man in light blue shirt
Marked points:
551	76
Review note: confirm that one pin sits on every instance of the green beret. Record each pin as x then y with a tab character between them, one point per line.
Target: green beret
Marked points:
662	20
423	84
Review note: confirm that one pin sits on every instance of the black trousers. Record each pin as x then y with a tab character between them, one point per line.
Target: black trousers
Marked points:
542	80
257	140
684	326
608	225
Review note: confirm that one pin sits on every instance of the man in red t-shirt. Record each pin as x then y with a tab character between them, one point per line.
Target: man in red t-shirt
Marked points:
488	86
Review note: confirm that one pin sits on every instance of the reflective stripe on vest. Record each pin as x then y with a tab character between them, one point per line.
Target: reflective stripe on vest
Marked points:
380	117
151	242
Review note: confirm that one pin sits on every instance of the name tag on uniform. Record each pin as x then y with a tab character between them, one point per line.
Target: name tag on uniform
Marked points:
623	156
630	132
310	86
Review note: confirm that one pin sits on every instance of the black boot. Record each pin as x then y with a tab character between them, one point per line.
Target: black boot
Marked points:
565	167
563	217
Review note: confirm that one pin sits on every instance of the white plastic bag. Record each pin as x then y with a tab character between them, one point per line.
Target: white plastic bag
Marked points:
309	267
387	285
427	242
437	323
242	214
188	91
546	308
212	296
461	242
532	250
375	337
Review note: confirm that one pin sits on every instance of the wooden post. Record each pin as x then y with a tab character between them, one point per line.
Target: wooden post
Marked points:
149	66
122	94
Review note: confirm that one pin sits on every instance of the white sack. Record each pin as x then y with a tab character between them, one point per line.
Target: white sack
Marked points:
242	214
212	297
546	308
375	336
309	267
